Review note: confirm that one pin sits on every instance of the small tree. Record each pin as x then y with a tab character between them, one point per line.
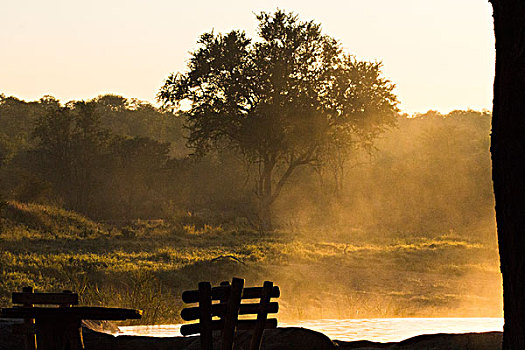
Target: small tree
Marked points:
70	144
283	101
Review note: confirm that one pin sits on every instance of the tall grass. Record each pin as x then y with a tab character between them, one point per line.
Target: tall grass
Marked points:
146	265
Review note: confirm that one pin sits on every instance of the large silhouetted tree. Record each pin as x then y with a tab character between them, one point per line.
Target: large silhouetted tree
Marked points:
283	101
508	159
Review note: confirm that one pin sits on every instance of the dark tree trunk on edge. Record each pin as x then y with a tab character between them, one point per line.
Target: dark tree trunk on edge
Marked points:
508	162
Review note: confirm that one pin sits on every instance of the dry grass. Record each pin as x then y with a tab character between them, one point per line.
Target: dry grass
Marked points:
148	264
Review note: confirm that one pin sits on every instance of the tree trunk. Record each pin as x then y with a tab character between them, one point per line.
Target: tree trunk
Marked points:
265	210
265	216
268	193
508	161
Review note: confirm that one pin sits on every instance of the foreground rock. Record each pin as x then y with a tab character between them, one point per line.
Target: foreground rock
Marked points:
466	341
275	339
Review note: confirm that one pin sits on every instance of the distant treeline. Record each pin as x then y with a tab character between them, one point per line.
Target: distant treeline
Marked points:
118	159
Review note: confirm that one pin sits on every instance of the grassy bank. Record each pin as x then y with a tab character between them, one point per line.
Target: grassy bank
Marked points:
344	274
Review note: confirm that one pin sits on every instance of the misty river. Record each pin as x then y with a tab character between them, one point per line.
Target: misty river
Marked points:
373	329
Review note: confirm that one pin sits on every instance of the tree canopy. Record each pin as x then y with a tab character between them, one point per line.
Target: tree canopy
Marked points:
288	99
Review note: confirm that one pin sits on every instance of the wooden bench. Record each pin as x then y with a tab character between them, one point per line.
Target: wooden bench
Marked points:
227	308
57	326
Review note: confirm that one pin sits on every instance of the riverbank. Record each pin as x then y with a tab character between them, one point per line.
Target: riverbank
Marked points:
278	339
147	264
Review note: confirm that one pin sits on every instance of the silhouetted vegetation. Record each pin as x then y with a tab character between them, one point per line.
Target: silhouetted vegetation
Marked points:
431	173
106	158
289	99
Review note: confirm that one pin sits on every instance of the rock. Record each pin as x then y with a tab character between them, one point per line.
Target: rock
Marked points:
290	338
274	339
466	341
9	341
361	344
101	326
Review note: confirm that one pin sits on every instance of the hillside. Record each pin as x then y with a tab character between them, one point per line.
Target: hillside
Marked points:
147	264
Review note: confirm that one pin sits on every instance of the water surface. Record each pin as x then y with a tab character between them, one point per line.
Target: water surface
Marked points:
374	329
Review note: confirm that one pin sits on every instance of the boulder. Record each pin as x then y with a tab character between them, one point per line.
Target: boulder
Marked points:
465	341
291	338
274	339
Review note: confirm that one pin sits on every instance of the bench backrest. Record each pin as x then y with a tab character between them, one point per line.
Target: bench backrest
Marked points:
28	298
227	308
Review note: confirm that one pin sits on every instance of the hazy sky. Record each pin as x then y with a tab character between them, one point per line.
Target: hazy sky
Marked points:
439	53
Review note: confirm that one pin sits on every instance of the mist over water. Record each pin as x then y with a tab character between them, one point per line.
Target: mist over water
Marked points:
378	330
413	224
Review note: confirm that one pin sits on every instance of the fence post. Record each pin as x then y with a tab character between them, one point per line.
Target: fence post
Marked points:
205	315
30	339
232	313
262	315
